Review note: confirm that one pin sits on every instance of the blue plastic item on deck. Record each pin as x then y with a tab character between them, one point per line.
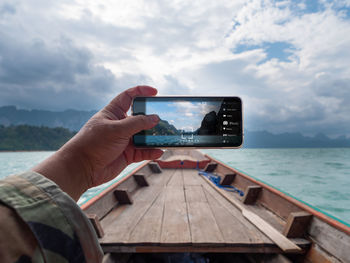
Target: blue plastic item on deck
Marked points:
216	180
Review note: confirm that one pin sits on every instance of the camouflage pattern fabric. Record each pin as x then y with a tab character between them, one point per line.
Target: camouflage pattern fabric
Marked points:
41	223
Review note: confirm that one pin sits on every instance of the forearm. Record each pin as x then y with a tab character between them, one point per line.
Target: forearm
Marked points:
67	169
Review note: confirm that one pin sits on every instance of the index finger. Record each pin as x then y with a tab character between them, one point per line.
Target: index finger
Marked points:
122	102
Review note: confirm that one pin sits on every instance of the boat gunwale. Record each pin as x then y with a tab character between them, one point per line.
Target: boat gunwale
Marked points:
306	207
112	187
332	222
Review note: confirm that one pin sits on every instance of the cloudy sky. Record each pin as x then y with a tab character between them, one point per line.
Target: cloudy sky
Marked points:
288	60
184	115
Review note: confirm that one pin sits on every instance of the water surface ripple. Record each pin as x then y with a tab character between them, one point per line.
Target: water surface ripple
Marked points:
320	177
317	176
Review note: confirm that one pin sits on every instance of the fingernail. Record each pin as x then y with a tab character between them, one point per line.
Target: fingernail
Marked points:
154	118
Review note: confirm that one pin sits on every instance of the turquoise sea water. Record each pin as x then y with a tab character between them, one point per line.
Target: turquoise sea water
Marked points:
17	162
320	177
187	140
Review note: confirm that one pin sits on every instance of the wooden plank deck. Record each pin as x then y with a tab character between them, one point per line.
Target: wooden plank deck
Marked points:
179	212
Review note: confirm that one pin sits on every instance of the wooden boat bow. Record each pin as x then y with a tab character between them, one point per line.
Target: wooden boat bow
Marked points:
166	206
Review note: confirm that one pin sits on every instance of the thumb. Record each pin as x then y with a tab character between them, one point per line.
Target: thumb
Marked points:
134	124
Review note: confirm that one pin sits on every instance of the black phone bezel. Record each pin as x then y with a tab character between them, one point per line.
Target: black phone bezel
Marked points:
191	146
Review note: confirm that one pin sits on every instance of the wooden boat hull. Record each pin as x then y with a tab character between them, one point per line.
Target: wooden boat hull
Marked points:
151	210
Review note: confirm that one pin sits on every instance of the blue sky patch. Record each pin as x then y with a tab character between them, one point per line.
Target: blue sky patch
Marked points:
278	50
345	11
302	7
313	6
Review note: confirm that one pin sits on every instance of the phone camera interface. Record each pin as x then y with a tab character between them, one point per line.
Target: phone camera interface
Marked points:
191	121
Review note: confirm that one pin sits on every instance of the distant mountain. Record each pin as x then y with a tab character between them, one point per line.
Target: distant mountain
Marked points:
32	138
74	120
163	128
264	139
209	125
70	119
212	123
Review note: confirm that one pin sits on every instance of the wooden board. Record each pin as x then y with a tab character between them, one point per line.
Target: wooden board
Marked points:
177	178
105	201
148	229
118	231
297	224
123	196
191	249
233	229
228	179
108	201
251	193
181	212
112	216
161	179
96	224
191	177
175	227
204	229
194	193
331	239
255	237
158	180
284	243
175	194
141	180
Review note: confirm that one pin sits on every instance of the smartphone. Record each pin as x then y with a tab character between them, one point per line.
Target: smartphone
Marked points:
197	122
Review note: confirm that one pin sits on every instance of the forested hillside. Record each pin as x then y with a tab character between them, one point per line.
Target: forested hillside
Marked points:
32	138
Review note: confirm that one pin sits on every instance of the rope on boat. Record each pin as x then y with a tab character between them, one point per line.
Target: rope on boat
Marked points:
216	180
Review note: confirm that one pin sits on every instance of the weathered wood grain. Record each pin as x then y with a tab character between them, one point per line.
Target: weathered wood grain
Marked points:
109	201
112	216
141	180
228	179
330	239
191	177
204	229
210	167
191	249
148	229
175	226
155	167
181	210
175	194
233	228
194	193
96	224
123	196
161	179
176	179
251	193
255	236
297	224
284	243
119	230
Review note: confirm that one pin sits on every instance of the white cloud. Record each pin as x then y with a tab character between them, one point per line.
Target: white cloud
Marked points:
190	47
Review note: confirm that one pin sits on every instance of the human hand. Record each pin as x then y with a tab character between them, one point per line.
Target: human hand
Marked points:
102	148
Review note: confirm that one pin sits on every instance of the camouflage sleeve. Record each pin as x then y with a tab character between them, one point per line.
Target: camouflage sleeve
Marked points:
50	226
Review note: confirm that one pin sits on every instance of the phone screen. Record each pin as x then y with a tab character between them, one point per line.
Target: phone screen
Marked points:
191	122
